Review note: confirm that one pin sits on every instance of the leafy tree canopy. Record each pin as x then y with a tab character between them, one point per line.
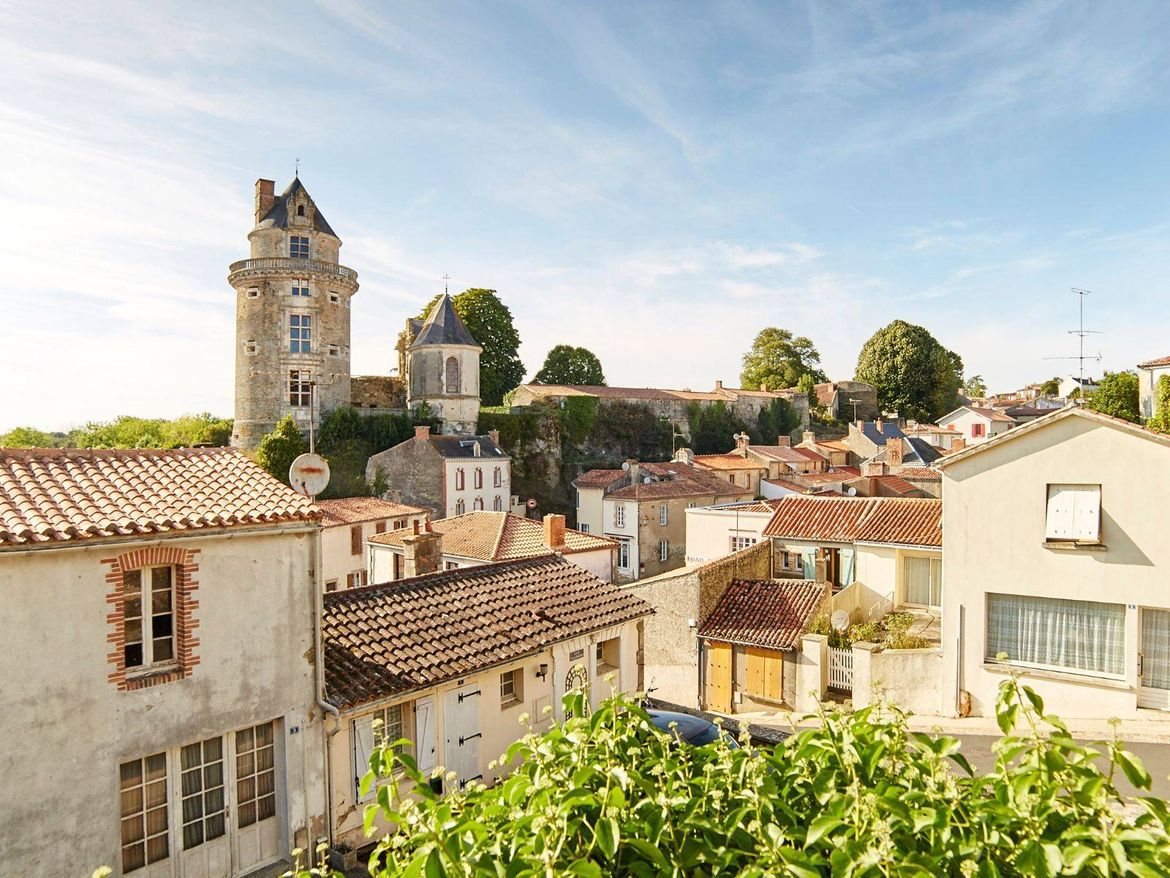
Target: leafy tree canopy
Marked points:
975	388
914	375
1117	395
778	360
489	321
347	439
566	364
30	437
1051	387
127	431
1161	419
606	793
280	448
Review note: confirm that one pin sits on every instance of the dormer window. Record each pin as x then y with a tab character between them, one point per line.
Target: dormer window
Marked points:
298	247
300	210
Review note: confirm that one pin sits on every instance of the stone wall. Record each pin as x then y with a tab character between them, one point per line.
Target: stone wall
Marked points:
414	473
911	679
386	393
681	599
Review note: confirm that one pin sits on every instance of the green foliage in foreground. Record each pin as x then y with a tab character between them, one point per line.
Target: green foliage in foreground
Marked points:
861	795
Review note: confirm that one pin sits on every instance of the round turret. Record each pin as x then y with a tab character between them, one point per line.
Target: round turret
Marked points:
443	362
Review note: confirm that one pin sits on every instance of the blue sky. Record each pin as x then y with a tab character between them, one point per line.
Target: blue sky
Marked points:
656	182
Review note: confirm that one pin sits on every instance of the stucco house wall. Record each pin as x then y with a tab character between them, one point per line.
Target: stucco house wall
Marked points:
994	515
66	727
710	530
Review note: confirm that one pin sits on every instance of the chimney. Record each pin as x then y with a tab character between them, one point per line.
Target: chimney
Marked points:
415	523
422	432
763	385
958	443
718	385
423	553
878	423
821	567
685	455
741	441
786	441
873	468
554	531
265	198
633	469
494	435
861	425
894	451
808	437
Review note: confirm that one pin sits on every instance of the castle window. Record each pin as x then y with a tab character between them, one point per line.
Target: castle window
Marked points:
300	388
250	347
452	375
333	350
298	247
300	333
253	293
334	298
300	288
300	210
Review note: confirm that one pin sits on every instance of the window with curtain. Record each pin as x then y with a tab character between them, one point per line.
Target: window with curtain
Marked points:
1056	633
922	581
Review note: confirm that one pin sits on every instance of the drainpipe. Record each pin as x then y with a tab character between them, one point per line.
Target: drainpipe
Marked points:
319	681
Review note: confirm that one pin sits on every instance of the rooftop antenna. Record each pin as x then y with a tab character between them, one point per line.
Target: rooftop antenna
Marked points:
855	403
1080	333
446	281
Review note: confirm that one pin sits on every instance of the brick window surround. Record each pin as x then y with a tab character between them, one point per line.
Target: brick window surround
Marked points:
186	623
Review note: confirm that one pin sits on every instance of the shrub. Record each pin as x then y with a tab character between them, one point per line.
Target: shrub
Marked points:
859	795
907	641
870	632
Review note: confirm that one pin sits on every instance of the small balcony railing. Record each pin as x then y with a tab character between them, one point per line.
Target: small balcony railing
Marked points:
287	263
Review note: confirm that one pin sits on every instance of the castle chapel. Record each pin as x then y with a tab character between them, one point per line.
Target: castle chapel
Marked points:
293	313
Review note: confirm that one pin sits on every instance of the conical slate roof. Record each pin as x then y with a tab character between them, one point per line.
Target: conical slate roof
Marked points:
279	212
443	326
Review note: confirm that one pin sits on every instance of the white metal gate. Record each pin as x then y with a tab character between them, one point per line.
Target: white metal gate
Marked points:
841	669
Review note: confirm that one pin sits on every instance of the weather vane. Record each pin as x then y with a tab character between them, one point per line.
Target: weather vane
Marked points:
298	170
446	279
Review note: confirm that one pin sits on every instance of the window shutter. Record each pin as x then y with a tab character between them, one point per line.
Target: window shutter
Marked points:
424	737
1087	513
1060	512
809	557
363	746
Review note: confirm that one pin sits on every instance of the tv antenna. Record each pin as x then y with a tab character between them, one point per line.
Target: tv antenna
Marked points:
1080	333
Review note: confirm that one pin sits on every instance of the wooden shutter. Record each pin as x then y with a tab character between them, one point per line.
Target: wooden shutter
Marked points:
424	734
1060	512
719	677
355	540
1087	513
363	746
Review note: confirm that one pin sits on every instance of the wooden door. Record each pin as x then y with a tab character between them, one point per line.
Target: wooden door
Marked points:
461	733
719	677
257	831
202	794
765	674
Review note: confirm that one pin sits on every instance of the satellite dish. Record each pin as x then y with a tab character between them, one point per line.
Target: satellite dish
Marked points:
839	620
309	474
852	492
626	466
646	480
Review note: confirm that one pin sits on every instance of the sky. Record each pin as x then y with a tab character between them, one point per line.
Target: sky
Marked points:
654	181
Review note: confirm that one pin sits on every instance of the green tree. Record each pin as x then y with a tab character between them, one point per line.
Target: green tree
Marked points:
280	448
778	360
1051	387
489	321
975	388
1117	395
1161	419
713	428
775	420
914	375
28	437
566	364
859	794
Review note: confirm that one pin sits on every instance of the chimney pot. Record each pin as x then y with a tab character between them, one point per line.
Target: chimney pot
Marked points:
423	553
415	523
718	385
494	435
878	423
554	531
860	425
422	432
808	437
785	441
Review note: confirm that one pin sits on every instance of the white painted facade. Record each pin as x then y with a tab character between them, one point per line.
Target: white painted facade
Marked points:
1148	377
471	483
384	567
341	567
717	531
997	517
435	718
974	427
67	728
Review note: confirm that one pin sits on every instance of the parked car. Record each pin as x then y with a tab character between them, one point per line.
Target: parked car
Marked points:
691	729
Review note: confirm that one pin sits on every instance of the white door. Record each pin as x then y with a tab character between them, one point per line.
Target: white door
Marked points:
461	733
204	843
424	735
256	829
1154	688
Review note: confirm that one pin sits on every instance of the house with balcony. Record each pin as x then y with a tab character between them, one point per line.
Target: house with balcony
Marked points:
1056	567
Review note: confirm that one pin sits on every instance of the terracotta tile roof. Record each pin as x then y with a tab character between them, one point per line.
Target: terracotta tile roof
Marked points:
790	483
676	480
71	495
598	478
920	473
351	510
894	483
991	414
902	520
838	475
1150	364
768	506
381	640
835	444
784	453
726	462
769	613
497	536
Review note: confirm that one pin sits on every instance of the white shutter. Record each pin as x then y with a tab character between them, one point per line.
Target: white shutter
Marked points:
1087	513
1061	504
424	734
363	746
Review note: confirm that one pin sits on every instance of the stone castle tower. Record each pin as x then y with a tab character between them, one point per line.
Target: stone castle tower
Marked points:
292	317
442	368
